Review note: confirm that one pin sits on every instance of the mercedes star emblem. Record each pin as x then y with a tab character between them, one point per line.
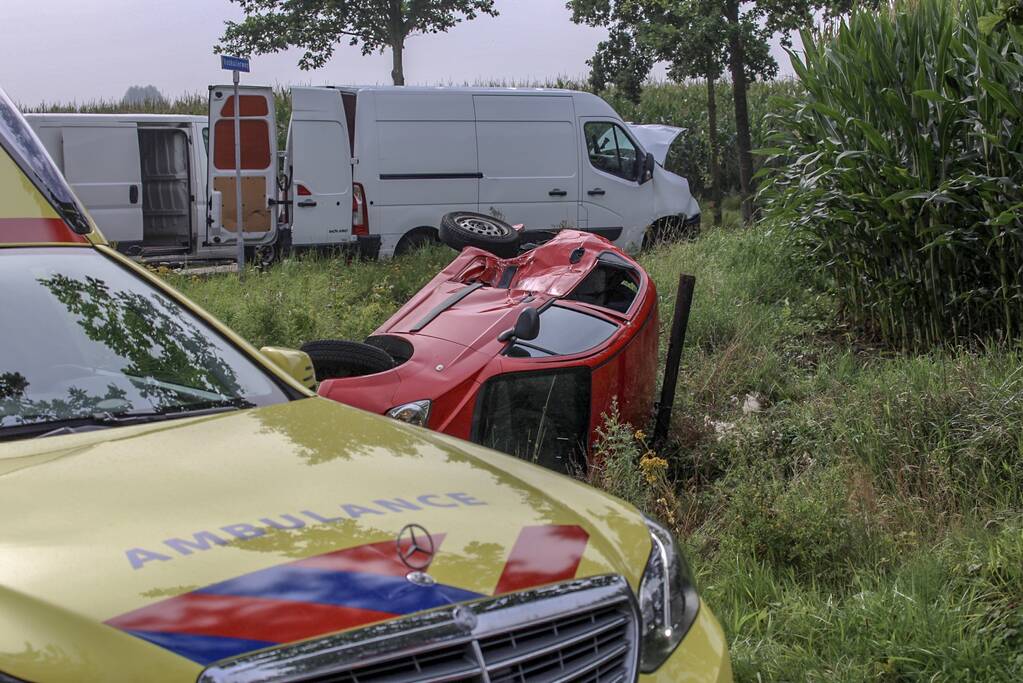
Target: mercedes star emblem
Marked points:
415	547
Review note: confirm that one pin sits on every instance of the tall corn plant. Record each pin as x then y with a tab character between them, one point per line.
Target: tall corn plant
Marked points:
899	170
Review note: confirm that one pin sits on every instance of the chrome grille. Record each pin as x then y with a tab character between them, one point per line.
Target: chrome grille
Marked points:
573	648
584	630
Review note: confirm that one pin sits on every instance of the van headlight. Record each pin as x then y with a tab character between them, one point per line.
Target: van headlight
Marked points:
415	413
667	599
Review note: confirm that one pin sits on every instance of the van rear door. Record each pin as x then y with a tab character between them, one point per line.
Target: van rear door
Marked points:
101	163
258	165
319	157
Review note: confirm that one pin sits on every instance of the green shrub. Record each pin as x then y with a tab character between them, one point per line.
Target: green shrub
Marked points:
949	613
900	170
808	525
624	465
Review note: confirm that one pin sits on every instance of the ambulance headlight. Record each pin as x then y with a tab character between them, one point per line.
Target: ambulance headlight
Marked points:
415	413
667	599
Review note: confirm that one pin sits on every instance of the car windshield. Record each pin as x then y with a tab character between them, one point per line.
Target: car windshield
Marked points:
83	336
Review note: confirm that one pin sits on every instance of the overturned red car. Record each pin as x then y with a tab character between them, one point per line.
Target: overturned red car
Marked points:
521	354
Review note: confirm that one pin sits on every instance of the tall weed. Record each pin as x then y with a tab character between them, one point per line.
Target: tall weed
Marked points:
900	170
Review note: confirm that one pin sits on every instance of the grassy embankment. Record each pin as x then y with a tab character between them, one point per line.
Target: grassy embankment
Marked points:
864	524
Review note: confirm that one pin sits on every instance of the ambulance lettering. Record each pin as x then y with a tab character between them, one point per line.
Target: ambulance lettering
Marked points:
200	541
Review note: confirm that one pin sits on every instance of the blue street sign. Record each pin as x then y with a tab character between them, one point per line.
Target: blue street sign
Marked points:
234	63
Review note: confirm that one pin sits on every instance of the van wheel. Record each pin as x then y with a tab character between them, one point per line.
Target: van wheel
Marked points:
671	229
415	239
337	358
460	229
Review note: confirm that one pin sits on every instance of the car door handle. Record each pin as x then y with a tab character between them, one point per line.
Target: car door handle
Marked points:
596	192
133	194
558	193
305	203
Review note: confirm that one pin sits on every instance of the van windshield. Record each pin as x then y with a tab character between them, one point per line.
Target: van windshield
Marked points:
84	337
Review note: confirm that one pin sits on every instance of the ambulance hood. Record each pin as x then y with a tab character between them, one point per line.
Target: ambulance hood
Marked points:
148	552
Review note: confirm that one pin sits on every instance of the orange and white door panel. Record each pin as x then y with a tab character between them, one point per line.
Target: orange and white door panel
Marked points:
258	135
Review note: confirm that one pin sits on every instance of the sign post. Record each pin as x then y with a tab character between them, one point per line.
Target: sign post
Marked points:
236	65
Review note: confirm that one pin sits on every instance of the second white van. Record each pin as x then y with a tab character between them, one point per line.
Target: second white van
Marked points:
376	167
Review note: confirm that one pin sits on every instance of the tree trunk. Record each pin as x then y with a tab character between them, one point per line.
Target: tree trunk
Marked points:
398	33
715	164
737	66
398	68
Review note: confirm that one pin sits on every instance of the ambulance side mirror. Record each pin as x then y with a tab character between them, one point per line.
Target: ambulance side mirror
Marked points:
296	364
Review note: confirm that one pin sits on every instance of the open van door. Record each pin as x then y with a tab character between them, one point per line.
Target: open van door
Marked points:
319	157
258	165
101	163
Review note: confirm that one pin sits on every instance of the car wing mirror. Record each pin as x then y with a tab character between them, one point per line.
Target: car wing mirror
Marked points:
296	364
527	326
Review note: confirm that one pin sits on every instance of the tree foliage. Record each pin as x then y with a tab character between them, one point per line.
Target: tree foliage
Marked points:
701	39
621	61
143	94
319	26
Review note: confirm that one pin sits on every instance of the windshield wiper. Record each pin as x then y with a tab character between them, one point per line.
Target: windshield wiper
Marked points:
105	420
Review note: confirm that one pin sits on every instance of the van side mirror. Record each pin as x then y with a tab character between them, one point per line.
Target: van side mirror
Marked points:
646	172
526	327
296	364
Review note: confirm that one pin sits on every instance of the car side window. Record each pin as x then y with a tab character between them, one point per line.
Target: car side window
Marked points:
610	149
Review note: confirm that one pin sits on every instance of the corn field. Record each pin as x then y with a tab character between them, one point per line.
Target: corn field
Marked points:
898	171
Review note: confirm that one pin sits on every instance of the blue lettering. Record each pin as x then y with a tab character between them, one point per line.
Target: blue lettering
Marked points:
296	523
243	531
465	499
202	540
356	511
396	504
424	499
316	518
139	556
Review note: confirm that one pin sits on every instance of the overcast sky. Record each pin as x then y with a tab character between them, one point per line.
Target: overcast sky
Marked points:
80	50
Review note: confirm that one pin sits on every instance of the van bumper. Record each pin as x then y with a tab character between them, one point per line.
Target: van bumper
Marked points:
367	247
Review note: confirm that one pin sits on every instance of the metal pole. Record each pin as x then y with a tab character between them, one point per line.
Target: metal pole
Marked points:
238	224
679	324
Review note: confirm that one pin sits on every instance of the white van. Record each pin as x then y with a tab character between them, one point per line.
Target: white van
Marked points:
377	167
141	176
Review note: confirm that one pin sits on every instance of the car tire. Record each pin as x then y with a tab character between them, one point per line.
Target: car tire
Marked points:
337	358
460	229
